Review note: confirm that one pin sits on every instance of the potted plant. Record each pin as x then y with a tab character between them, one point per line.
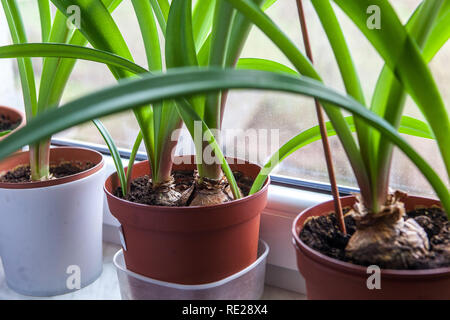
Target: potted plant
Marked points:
134	93
405	238
176	84
212	34
384	237
380	217
51	199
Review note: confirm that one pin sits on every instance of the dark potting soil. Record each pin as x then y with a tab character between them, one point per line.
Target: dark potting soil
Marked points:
6	123
184	180
23	173
323	234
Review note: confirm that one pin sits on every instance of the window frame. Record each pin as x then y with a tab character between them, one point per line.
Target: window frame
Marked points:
280	180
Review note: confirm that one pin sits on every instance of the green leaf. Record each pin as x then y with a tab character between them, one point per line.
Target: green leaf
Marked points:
65	67
98	26
267	4
46	19
114	154
180	46
190	117
438	37
134	151
203	53
69	51
264	65
181	83
348	72
180	51
340	48
26	71
58	34
161	10
149	33
240	29
390	97
4	133
202	21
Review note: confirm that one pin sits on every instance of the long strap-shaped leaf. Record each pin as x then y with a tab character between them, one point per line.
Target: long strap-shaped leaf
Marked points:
114	154
439	35
36	50
402	55
239	33
181	83
161	9
26	71
202	19
46	19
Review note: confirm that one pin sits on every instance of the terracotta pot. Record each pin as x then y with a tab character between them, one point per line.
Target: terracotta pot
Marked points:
14	115
189	245
328	278
51	232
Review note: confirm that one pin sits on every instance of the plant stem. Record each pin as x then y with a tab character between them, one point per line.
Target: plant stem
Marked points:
323	129
40	160
165	164
132	159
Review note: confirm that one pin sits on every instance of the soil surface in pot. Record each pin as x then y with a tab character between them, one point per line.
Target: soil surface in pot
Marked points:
323	234
141	192
6	123
22	174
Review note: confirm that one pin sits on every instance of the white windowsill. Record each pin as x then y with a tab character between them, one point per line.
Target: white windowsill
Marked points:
276	222
106	287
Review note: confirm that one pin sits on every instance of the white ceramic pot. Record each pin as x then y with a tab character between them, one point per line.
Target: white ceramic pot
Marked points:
51	232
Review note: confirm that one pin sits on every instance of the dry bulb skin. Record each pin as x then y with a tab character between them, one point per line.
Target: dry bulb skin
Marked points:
387	238
209	192
184	188
165	193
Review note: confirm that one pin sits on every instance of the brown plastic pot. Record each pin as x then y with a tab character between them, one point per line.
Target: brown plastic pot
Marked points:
14	115
189	245
328	278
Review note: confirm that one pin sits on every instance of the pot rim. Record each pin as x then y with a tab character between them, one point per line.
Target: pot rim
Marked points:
191	208
19	113
59	181
338	265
